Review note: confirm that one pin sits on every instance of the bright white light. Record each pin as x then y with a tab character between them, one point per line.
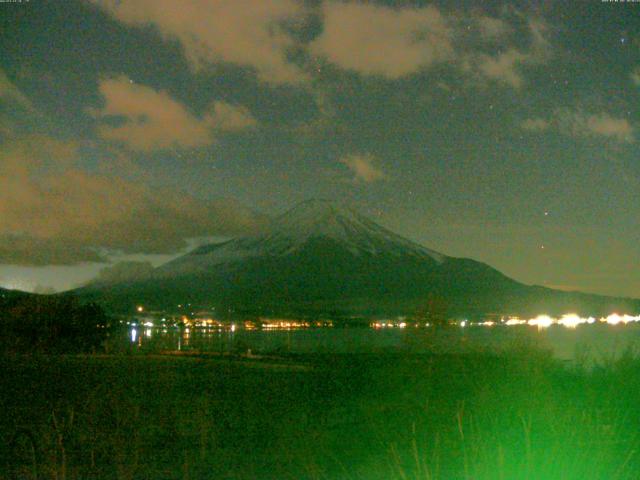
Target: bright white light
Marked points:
615	319
515	321
134	334
541	321
571	320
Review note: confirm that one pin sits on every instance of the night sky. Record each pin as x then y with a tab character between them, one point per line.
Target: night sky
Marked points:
506	132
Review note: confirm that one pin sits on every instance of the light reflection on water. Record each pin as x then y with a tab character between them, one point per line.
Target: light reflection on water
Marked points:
598	341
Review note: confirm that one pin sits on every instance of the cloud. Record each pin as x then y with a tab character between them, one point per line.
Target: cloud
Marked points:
10	93
492	28
577	123
580	124
503	67
535	124
124	271
363	168
540	48
608	126
248	33
377	40
392	42
227	117
152	120
53	212
363	37
43	290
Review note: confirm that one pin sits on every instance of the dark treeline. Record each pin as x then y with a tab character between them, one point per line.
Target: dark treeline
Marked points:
51	324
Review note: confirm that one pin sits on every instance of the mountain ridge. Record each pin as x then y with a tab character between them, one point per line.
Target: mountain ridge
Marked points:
291	230
324	258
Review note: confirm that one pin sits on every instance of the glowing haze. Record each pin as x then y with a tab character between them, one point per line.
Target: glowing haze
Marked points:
133	130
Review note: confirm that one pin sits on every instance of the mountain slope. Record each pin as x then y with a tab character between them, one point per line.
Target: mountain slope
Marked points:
291	233
8	294
321	258
9	298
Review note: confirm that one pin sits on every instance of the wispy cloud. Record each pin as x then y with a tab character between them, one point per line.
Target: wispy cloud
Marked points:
362	37
11	93
581	124
503	67
383	41
492	28
54	212
363	167
535	124
151	120
394	42
249	33
506	66
124	271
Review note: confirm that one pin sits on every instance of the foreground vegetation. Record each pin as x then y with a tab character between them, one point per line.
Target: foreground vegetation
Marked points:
51	324
519	415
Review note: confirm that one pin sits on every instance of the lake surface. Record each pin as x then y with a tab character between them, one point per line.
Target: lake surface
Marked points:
599	342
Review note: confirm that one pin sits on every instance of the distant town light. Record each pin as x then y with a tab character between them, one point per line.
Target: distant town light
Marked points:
140	308
515	321
541	321
568	320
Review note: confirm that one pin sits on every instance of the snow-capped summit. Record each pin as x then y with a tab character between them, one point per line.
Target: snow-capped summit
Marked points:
322	258
315	217
331	220
322	220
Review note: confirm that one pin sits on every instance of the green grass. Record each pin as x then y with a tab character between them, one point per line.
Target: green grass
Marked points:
518	415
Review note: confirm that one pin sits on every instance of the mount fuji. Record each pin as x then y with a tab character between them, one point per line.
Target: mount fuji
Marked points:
308	224
321	258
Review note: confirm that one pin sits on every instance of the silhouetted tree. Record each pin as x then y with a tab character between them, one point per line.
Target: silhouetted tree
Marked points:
52	324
